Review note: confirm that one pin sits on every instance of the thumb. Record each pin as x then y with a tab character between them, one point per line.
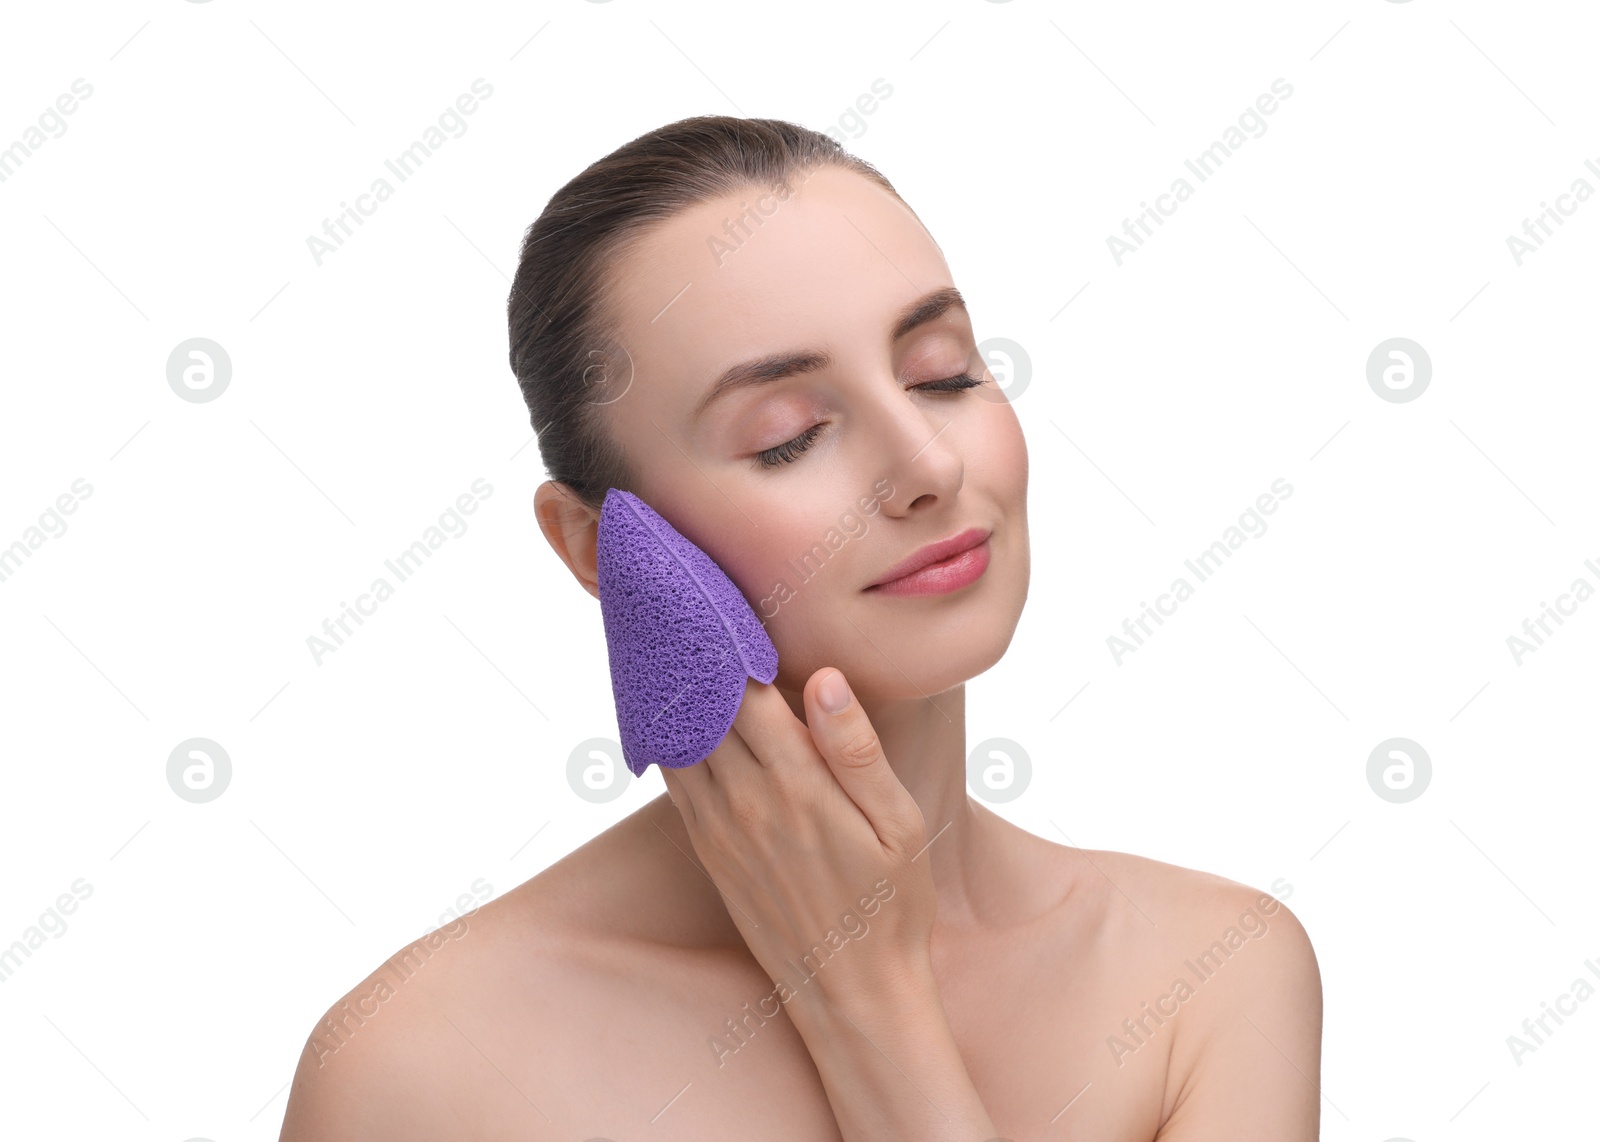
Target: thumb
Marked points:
849	743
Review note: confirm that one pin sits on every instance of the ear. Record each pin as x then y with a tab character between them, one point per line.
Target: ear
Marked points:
572	528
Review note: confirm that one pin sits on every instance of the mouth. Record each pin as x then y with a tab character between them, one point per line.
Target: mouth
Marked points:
939	567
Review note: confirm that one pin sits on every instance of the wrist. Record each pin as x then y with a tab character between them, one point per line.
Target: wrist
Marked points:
881	1050
906	994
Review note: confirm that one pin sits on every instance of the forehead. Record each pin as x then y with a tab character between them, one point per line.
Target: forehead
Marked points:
748	273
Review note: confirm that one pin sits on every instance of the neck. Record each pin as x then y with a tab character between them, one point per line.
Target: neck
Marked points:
925	742
986	872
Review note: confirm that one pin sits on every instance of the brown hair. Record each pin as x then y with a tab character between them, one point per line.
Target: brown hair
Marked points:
565	357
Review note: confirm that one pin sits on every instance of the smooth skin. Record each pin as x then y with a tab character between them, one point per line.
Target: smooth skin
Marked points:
629	990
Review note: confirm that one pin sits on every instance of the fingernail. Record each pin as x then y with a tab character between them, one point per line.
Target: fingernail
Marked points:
834	693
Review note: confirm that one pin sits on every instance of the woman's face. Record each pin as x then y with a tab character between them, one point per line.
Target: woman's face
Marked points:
809	486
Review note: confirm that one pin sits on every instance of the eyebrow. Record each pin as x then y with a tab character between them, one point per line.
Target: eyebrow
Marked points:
777	366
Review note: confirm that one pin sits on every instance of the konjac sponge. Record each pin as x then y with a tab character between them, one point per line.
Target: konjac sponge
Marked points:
680	636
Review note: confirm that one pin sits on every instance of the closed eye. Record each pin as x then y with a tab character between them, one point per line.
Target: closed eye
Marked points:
790	450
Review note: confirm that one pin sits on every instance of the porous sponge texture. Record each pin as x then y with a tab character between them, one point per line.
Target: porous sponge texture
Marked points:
680	637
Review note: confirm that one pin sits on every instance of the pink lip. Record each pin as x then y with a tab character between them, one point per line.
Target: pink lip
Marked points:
939	567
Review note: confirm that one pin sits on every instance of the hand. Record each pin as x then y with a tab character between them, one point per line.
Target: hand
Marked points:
809	836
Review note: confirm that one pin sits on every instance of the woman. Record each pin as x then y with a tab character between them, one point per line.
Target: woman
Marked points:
816	933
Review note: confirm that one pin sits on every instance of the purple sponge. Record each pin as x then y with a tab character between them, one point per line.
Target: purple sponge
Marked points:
680	637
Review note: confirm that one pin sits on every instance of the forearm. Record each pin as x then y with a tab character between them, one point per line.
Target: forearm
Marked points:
890	1065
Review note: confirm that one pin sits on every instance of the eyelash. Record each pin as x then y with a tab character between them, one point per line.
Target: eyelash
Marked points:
790	450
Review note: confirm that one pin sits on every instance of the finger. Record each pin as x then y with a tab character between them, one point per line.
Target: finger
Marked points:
696	781
705	782
767	726
850	745
751	742
679	793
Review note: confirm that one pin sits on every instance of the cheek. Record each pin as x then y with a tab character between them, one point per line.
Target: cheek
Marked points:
1020	460
788	565
755	559
1003	452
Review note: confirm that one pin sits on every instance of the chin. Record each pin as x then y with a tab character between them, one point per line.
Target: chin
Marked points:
893	648
894	661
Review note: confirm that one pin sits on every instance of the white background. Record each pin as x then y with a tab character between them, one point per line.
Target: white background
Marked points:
370	792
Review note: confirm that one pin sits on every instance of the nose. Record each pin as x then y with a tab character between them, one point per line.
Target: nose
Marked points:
921	447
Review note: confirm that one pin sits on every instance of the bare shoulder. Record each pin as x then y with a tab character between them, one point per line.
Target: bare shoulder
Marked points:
468	1032
1182	895
1244	999
1222	926
392	1058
